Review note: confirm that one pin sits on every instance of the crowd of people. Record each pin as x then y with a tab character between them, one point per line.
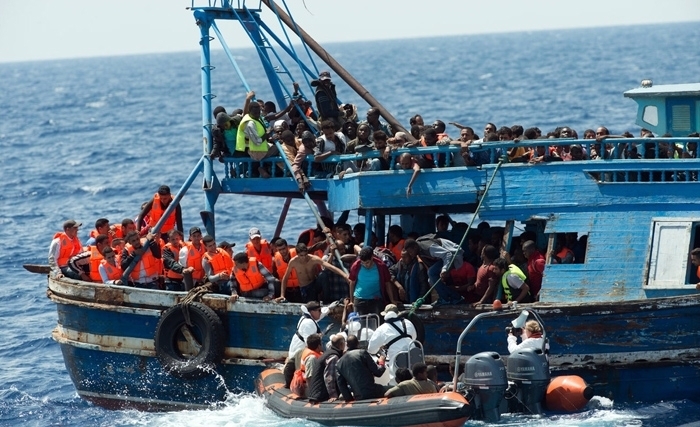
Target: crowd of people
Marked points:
253	130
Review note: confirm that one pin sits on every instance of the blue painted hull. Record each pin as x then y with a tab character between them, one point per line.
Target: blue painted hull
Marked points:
623	350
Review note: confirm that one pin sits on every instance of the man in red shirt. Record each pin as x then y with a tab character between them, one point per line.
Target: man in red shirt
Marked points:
535	268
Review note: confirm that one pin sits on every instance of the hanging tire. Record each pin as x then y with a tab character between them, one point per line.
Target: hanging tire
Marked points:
417	323
189	351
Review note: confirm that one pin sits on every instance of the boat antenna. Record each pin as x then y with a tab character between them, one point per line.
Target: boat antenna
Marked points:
335	66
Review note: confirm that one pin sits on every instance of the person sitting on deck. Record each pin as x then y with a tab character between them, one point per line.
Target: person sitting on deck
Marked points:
224	135
535	267
63	247
174	271
306	267
86	264
513	282
121	230
252	138
562	254
155	208
259	248
395	240
249	277
369	283
375	124
330	143
191	256
357	369
110	271
217	265
146	273
419	384
101	227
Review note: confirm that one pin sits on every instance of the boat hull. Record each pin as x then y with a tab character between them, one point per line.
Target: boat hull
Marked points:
625	352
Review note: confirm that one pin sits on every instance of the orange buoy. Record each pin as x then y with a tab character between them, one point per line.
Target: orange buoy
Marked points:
567	393
497	304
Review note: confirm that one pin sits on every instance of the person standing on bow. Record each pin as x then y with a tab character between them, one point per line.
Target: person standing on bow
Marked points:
155	209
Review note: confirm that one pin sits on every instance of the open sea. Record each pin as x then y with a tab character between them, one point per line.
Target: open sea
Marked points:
90	138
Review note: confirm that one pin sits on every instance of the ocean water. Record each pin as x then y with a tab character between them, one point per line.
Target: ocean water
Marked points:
94	138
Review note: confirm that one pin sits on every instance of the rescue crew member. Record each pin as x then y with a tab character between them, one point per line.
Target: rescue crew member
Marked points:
259	248
249	276
155	208
280	263
217	265
172	269
63	247
394	335
311	313
191	256
147	271
110	271
513	281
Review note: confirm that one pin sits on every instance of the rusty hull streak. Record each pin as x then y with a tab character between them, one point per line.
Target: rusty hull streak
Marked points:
104	295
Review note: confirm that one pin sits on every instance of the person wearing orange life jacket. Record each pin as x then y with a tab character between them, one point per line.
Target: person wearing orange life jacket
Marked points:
101	227
395	240
561	254
63	247
174	271
250	277
279	267
101	242
147	271
218	266
110	271
259	248
191	256
313	350
81	264
155	209
121	230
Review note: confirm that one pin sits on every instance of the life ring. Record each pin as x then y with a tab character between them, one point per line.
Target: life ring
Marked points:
189	351
417	323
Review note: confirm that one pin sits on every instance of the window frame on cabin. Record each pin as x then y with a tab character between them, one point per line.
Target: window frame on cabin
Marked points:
667	266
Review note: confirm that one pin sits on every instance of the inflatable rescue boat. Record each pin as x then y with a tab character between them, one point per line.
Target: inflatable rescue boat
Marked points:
425	410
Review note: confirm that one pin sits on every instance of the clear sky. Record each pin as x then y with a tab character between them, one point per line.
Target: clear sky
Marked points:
50	29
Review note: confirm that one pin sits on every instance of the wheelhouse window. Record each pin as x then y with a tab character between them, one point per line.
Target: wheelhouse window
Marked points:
669	261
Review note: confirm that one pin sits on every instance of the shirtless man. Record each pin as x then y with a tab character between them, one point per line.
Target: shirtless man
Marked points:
306	267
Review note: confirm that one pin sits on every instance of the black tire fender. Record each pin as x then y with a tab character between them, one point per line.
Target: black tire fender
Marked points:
205	337
417	323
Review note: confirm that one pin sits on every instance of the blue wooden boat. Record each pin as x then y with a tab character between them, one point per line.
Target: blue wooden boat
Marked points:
624	320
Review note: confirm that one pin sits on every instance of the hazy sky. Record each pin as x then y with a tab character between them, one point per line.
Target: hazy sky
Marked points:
48	29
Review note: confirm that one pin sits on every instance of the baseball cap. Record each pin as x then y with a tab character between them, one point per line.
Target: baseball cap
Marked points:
254	232
312	305
195	230
71	223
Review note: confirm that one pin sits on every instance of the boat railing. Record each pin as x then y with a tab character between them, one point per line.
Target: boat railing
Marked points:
648	150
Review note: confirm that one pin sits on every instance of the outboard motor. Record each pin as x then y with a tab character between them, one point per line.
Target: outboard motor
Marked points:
485	378
528	370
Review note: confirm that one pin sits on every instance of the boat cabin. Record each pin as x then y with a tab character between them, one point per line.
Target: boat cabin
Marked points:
668	109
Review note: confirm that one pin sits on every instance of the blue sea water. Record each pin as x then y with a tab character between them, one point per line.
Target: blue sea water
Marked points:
90	138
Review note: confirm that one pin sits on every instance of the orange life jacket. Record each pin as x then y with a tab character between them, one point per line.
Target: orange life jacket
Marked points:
563	253
169	273
251	278
118	231
114	272
151	266
396	248
281	268
94	233
194	260
220	262
265	254
157	212
67	248
95	259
